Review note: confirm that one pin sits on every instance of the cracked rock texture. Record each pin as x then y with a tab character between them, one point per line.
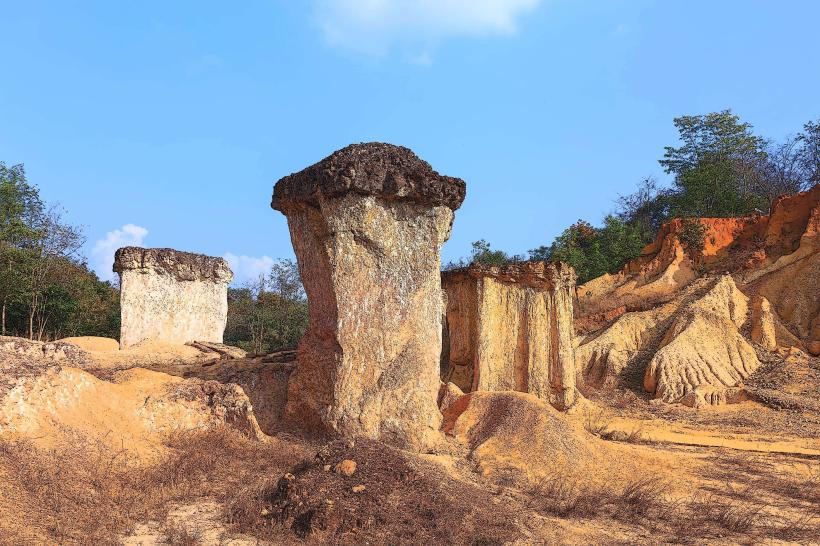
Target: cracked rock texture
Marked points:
511	328
172	296
367	225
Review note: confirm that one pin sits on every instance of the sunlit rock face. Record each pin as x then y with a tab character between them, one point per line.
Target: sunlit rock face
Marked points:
510	328
173	296
367	224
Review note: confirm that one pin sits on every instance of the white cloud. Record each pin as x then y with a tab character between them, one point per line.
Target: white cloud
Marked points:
377	26
102	254
248	268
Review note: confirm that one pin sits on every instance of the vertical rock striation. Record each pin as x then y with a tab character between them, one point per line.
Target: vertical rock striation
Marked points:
173	296
511	328
367	224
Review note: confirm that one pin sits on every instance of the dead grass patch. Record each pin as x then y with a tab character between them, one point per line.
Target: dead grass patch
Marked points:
647	503
84	494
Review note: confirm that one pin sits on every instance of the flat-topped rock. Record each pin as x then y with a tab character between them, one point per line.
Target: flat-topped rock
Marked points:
183	266
510	327
537	274
374	168
173	296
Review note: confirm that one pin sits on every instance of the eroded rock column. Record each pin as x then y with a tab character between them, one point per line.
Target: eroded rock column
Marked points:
173	296
367	224
510	328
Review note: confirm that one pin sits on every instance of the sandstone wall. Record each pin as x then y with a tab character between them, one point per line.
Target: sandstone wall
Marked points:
510	328
171	296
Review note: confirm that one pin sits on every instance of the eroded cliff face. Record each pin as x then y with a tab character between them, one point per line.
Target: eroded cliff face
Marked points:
703	349
172	296
776	256
510	328
367	225
648	318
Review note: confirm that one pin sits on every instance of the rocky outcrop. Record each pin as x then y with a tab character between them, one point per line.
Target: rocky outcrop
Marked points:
749	247
773	259
21	357
367	224
54	352
764	329
135	411
173	296
264	381
510	328
703	348
607	357
689	350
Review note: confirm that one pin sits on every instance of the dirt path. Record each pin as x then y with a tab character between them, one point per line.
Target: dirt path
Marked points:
659	431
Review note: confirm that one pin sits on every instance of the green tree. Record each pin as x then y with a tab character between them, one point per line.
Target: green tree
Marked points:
717	135
20	209
809	141
482	254
46	291
594	251
270	313
647	208
716	168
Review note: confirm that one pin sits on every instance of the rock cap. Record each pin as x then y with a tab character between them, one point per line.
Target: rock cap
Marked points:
535	273
373	168
183	266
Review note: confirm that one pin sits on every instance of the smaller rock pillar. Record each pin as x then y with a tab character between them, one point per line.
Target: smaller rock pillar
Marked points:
173	296
511	328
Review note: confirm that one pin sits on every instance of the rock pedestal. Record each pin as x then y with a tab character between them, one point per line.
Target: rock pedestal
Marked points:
367	224
510	328
173	296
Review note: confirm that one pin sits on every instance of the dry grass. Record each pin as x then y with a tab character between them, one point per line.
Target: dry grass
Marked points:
647	503
84	494
595	422
181	536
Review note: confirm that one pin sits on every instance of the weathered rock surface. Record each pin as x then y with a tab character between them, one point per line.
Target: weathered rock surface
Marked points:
776	256
264	383
704	347
608	355
624	319
135	410
21	357
173	296
367	225
447	394
764	329
510	328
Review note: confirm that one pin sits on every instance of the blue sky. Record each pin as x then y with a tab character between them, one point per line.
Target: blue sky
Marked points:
167	123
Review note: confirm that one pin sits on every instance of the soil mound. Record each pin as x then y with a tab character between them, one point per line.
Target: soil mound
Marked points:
93	344
513	431
135	411
392	497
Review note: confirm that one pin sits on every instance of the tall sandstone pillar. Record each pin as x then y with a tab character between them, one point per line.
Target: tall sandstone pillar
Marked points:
367	224
510	328
173	296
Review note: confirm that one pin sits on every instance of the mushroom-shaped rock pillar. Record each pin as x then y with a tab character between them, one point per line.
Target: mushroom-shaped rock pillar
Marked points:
367	224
